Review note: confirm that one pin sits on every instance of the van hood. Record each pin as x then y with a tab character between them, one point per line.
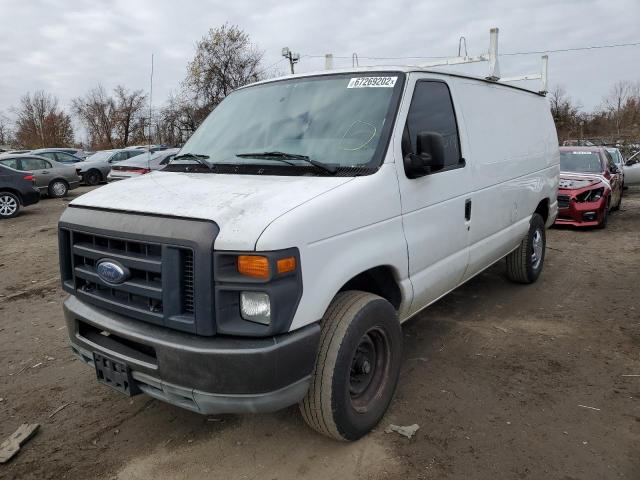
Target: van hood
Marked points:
241	205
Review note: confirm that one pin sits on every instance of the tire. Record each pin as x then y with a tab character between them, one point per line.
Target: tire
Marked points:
357	366
524	264
92	177
9	205
58	188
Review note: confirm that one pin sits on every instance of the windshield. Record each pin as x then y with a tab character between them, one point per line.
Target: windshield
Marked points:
99	156
580	161
343	120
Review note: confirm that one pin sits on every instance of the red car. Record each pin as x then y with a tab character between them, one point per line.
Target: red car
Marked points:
590	186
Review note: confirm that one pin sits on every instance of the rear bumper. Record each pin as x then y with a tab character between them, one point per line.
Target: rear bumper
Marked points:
204	374
114	177
30	197
585	214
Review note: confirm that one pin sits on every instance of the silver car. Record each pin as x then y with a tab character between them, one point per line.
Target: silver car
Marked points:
52	178
96	167
141	164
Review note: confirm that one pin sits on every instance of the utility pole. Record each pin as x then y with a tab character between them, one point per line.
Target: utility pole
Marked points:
292	57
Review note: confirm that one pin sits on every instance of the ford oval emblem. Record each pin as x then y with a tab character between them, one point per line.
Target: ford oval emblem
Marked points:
111	271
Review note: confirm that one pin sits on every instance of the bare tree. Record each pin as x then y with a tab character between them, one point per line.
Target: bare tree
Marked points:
41	122
617	101
566	114
5	130
130	119
225	60
112	121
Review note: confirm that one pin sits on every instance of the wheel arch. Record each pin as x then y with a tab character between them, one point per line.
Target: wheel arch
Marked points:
381	280
15	192
543	209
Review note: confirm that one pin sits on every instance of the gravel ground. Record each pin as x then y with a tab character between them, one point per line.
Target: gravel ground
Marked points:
505	381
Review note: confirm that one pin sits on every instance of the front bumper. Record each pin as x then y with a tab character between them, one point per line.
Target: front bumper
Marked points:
582	214
203	374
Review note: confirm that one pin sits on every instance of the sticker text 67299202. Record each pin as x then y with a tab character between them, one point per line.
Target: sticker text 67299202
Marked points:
372	82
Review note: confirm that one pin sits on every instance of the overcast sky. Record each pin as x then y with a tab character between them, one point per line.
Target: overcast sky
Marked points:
66	47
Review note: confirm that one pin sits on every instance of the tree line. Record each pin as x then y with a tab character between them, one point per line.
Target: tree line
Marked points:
226	59
615	121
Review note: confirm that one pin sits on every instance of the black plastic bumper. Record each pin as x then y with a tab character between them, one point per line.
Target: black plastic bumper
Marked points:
30	197
203	374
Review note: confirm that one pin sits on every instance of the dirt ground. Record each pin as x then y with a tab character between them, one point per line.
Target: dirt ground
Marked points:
505	381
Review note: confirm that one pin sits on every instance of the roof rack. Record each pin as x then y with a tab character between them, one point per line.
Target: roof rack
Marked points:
491	56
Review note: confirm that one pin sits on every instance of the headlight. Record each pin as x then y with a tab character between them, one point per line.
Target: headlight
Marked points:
590	195
255	307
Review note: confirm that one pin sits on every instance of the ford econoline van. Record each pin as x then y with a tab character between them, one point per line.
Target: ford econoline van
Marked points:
273	261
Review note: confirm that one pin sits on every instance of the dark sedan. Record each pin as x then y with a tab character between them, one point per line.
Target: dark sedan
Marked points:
17	190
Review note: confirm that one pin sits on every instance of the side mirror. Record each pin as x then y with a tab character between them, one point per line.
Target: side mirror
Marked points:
429	157
614	169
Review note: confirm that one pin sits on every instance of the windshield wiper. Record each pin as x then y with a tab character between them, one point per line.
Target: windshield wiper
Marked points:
282	156
201	159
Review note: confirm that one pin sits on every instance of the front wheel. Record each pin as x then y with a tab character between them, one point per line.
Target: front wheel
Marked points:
525	263
357	366
92	177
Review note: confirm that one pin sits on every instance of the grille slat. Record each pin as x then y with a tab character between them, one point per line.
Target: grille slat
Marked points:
143	294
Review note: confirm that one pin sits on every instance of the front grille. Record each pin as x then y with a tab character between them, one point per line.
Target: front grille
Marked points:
160	287
563	201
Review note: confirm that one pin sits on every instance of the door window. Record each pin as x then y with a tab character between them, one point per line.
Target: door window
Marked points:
49	155
432	110
65	158
33	164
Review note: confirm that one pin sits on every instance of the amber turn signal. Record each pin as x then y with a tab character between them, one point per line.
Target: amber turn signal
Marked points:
254	266
286	265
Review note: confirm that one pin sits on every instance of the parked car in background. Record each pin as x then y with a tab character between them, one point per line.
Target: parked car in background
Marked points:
141	164
17	190
76	152
57	155
632	169
149	148
96	168
618	159
590	186
14	152
51	177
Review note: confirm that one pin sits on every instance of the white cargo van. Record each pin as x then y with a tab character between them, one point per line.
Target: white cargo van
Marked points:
274	260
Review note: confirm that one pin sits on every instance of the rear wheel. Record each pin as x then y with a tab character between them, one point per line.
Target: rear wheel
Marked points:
525	263
357	366
58	188
92	177
9	205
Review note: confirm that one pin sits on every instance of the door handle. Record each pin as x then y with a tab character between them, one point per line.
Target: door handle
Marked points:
44	171
467	209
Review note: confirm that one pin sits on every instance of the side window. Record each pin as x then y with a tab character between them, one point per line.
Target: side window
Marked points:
134	153
118	157
11	163
33	164
167	159
65	157
47	164
432	110
611	165
49	155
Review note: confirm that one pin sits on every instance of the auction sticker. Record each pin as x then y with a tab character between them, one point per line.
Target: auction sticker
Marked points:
372	82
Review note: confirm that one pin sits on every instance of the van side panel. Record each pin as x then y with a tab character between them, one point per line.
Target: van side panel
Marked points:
340	234
513	150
